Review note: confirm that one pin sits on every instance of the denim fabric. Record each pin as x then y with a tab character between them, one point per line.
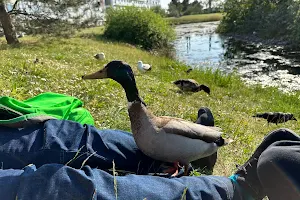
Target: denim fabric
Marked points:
55	181
59	141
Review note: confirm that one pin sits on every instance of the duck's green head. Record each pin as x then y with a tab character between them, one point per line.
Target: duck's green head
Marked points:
116	70
123	74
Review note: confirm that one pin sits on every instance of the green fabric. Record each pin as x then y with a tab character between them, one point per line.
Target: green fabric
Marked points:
50	104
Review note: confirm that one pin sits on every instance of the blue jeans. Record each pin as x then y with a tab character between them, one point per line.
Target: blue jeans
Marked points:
56	181
59	149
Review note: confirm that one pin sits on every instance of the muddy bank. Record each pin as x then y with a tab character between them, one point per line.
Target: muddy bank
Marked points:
270	63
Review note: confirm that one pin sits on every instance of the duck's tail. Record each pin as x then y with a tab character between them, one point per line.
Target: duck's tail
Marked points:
261	115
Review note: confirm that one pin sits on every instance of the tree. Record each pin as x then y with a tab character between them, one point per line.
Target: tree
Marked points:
185	4
175	2
175	9
194	8
209	6
59	17
159	10
6	22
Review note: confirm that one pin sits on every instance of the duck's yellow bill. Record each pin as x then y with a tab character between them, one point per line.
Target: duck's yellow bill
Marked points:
97	75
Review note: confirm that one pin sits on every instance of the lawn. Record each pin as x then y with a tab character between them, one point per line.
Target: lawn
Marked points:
195	18
64	61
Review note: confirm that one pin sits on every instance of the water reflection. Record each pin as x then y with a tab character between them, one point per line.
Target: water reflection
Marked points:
199	46
188	43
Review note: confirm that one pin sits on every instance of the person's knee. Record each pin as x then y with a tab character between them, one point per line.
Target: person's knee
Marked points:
282	132
269	157
276	169
279	154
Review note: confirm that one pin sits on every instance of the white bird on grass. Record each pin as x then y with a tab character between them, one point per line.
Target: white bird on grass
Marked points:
143	67
99	56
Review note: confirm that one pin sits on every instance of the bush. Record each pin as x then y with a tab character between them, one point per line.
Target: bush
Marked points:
268	18
138	26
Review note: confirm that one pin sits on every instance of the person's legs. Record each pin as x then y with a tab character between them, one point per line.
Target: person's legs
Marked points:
67	142
54	181
246	174
61	141
278	170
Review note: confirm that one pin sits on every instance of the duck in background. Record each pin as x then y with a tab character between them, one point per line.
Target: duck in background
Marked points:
190	85
143	67
276	117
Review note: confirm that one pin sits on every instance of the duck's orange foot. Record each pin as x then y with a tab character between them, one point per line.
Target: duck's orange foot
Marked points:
186	170
172	169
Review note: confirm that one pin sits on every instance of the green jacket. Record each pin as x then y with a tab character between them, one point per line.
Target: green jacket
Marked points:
14	113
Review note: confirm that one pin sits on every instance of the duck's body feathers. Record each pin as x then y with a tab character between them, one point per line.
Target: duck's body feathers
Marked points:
174	150
276	117
166	135
190	85
99	56
143	67
188	129
187	85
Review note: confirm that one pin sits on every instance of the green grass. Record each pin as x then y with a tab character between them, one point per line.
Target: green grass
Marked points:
195	18
64	61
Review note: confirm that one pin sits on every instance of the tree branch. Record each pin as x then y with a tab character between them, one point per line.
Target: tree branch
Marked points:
30	15
14	6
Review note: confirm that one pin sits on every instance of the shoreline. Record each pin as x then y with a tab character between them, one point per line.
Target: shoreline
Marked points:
189	19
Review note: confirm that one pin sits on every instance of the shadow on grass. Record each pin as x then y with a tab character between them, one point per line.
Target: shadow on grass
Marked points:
36	42
185	93
94	36
18	46
168	52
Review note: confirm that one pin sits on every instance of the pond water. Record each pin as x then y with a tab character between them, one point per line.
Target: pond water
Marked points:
199	45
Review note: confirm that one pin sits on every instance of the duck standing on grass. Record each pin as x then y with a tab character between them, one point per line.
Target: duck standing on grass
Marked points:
143	67
190	85
276	117
163	138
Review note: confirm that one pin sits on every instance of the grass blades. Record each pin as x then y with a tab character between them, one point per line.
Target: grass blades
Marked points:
195	18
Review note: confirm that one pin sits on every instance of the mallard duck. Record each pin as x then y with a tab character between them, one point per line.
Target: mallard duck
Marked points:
276	117
143	67
162	138
190	85
99	56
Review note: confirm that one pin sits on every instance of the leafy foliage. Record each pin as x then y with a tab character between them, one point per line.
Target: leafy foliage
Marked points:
159	10
56	17
138	26
267	18
177	8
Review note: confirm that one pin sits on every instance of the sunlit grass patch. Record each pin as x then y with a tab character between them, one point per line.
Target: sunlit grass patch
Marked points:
195	18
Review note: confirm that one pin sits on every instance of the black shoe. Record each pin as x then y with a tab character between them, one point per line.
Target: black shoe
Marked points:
247	179
206	165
